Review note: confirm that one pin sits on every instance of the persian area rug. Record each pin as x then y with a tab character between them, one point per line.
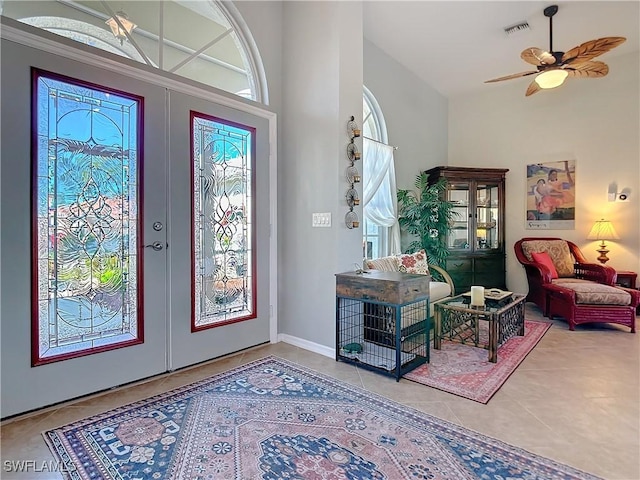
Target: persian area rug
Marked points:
465	370
272	419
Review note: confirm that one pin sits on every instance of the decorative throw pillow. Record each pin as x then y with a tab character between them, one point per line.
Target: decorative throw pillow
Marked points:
544	259
386	264
558	250
413	263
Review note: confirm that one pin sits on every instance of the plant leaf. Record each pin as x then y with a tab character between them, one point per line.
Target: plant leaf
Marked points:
423	212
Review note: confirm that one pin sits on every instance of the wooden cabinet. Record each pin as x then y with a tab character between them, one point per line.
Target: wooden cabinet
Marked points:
476	243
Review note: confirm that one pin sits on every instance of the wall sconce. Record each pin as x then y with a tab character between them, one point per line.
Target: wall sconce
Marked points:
603	230
615	195
119	23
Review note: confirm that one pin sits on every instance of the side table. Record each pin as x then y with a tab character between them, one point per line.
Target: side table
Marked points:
626	279
457	321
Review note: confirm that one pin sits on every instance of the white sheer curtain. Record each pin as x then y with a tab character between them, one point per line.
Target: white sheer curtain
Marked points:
379	189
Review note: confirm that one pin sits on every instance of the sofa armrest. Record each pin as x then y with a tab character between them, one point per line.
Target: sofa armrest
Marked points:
596	273
635	295
440	274
566	294
538	272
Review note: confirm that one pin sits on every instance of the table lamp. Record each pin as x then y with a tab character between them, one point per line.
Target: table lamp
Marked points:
603	230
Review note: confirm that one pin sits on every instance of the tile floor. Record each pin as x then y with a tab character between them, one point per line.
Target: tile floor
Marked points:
575	398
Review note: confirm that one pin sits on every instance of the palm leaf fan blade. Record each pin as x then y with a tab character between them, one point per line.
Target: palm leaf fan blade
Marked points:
591	49
509	77
536	56
588	70
533	88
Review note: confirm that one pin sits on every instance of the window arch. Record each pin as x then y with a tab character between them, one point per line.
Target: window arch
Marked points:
216	49
375	241
373	122
84	33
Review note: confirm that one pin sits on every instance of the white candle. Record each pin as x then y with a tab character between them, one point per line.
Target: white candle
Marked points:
477	296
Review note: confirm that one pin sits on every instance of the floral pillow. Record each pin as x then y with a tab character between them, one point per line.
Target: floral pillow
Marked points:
413	263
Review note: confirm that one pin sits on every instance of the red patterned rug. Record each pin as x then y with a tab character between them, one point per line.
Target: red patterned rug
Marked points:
465	370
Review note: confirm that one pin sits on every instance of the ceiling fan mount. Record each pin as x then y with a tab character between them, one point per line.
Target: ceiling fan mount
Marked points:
553	67
550	11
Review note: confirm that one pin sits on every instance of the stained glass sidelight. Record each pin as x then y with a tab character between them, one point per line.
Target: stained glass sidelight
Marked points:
85	218
223	261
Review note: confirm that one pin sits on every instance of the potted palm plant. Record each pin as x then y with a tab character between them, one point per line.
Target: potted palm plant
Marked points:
427	216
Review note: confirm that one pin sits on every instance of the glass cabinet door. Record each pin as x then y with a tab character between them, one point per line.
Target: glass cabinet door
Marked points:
486	217
460	235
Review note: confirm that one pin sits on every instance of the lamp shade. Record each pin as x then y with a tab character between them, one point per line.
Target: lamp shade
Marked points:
602	230
551	78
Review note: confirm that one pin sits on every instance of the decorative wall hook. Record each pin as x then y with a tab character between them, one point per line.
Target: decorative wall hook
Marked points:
352	128
352	151
351	219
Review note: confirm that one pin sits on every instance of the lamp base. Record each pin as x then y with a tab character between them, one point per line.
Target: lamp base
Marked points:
603	253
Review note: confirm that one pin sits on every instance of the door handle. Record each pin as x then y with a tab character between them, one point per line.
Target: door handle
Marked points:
157	246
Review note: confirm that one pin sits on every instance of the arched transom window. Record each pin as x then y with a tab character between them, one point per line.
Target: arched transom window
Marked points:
204	41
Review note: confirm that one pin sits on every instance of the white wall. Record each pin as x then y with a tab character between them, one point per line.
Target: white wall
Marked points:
415	113
317	90
264	21
594	121
322	88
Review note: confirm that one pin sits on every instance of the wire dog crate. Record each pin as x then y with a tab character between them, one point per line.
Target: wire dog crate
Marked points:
382	320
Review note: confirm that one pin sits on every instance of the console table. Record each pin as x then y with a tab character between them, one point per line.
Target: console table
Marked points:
382	320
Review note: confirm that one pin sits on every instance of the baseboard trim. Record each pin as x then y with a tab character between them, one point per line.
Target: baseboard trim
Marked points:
307	345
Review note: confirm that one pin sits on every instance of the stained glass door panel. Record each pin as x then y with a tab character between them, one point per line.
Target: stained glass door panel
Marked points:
223	268
86	218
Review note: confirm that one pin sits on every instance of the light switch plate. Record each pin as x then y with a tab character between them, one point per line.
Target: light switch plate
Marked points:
321	219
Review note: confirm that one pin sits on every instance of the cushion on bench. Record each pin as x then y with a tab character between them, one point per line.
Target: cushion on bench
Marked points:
570	280
595	293
438	290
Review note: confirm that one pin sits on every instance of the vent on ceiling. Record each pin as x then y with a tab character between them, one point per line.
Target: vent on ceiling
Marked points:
518	27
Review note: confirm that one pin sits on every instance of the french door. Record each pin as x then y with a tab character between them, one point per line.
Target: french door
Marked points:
217	272
163	241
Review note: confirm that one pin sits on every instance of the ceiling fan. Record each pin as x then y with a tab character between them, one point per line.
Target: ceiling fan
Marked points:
554	67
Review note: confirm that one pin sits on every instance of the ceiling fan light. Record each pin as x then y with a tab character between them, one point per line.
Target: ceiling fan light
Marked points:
551	78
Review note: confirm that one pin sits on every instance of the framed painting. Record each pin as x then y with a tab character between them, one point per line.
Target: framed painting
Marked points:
550	196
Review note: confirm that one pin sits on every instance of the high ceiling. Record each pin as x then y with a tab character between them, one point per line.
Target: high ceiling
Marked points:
455	46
